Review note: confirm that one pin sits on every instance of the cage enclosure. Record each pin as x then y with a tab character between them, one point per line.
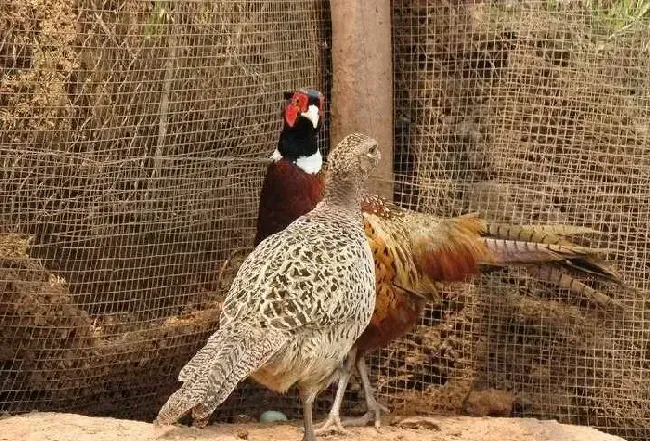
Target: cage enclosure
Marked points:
135	136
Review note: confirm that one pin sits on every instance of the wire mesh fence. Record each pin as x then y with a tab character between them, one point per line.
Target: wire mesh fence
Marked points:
531	112
131	140
132	133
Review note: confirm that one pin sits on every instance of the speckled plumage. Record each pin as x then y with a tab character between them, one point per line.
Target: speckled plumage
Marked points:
298	303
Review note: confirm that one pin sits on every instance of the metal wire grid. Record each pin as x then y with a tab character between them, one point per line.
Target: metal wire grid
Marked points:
133	134
530	112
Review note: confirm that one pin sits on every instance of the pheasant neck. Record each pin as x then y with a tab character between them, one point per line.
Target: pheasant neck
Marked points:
299	145
343	192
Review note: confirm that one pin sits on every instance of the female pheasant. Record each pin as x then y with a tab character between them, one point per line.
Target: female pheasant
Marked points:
414	253
298	303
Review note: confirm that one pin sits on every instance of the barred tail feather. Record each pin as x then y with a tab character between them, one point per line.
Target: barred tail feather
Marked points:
583	259
549	256
555	275
515	252
548	234
231	355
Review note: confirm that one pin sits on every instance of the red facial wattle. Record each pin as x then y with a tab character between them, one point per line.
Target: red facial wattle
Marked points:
299	103
302	101
291	114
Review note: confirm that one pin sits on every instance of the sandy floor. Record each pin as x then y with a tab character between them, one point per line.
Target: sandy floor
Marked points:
68	427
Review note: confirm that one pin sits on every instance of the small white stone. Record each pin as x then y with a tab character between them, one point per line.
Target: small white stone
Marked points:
271	416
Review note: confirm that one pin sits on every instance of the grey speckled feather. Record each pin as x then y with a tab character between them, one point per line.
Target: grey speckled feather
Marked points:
298	303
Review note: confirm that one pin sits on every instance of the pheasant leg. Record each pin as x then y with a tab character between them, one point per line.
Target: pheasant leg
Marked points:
333	422
307	401
307	421
374	409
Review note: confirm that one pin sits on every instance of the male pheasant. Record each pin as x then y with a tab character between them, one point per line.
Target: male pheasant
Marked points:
414	253
296	161
298	303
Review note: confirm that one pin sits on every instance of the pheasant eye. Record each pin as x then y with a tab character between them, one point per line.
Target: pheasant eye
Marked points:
302	102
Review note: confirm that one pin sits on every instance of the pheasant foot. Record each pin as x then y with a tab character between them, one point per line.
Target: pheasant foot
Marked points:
332	425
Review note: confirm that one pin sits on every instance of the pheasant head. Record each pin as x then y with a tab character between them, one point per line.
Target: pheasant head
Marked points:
350	165
302	119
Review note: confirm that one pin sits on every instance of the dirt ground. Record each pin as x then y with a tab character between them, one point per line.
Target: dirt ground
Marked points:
65	427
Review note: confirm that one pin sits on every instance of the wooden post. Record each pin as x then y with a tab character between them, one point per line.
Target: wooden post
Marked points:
362	89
